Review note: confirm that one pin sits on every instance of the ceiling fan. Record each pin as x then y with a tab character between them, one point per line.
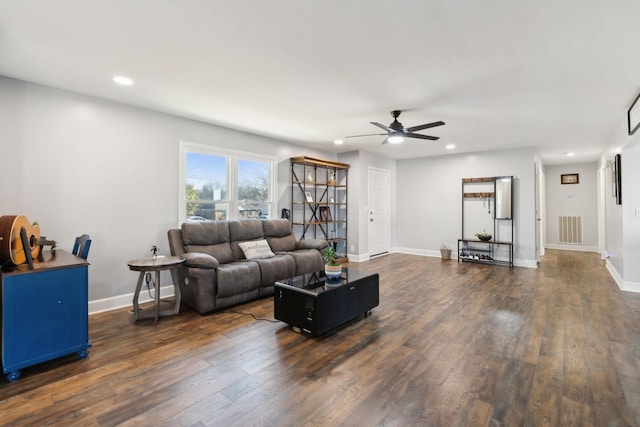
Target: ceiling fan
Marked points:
396	132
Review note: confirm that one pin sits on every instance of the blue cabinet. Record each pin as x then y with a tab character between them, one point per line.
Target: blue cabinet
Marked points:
44	311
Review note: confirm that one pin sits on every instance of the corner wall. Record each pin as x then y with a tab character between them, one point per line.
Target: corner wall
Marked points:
572	200
79	164
429	204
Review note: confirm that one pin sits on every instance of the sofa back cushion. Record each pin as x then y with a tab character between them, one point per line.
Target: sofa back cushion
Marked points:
243	230
279	234
209	237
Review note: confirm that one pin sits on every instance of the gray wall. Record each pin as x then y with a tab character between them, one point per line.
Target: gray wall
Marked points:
622	226
358	216
78	164
572	199
429	199
631	213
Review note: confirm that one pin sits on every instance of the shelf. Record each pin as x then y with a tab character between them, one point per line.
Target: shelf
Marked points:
476	180
489	250
318	222
478	195
497	242
312	161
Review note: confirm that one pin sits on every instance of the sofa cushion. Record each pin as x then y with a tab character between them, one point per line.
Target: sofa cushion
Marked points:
241	231
277	227
255	249
237	277
282	244
221	252
279	234
209	237
307	261
276	268
205	233
318	244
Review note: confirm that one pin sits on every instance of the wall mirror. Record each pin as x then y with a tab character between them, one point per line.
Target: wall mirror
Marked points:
503	197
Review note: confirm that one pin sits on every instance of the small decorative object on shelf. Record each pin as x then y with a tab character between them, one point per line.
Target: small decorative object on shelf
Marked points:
484	236
332	178
332	268
309	177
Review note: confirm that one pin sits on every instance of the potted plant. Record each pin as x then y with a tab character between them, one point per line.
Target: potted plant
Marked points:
332	267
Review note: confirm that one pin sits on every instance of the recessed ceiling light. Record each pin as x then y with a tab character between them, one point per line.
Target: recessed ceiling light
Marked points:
450	147
122	80
570	154
338	142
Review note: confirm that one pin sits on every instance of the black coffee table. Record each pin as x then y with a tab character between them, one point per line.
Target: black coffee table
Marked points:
311	304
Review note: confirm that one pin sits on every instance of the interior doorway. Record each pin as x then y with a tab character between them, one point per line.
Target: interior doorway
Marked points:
379	211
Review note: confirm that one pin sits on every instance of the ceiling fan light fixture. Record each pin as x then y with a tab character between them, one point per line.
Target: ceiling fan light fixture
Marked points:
395	139
338	142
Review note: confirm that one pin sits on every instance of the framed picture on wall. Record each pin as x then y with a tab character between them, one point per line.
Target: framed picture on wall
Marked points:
614	179
618	166
570	178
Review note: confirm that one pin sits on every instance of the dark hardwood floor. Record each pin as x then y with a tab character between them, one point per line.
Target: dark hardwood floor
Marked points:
451	344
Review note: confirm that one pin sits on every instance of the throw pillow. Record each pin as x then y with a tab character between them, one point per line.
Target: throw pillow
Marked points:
256	249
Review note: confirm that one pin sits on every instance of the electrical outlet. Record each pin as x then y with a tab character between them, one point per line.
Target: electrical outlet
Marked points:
353	248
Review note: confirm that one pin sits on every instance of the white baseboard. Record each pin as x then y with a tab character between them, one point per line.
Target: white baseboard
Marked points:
624	286
580	248
120	301
421	252
358	258
527	263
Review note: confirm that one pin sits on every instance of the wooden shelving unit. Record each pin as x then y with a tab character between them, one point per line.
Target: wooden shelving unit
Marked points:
319	200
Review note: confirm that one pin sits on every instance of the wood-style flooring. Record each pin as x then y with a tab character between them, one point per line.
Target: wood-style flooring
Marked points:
451	344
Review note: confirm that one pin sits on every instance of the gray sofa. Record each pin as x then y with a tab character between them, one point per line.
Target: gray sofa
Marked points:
217	274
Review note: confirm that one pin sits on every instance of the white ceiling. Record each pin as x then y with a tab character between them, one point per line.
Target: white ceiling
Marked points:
557	75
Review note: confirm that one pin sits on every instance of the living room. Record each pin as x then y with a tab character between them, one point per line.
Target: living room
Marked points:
79	163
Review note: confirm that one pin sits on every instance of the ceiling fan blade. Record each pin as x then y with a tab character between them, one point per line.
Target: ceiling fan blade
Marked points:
417	135
388	129
368	134
425	126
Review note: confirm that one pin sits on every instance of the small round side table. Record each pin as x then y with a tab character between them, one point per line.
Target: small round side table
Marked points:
157	264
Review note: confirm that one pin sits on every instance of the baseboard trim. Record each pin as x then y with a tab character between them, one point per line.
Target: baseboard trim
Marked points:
580	248
126	300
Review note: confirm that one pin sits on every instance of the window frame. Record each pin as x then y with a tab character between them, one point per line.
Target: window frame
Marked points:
232	157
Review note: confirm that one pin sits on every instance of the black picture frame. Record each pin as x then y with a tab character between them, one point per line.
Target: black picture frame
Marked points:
614	179
570	178
325	214
618	166
633	116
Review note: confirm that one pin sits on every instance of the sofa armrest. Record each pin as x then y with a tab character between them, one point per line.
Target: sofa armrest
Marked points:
200	260
318	244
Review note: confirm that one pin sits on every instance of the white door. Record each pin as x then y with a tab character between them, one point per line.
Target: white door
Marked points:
379	217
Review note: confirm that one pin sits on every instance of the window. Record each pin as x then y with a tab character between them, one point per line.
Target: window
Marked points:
224	184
